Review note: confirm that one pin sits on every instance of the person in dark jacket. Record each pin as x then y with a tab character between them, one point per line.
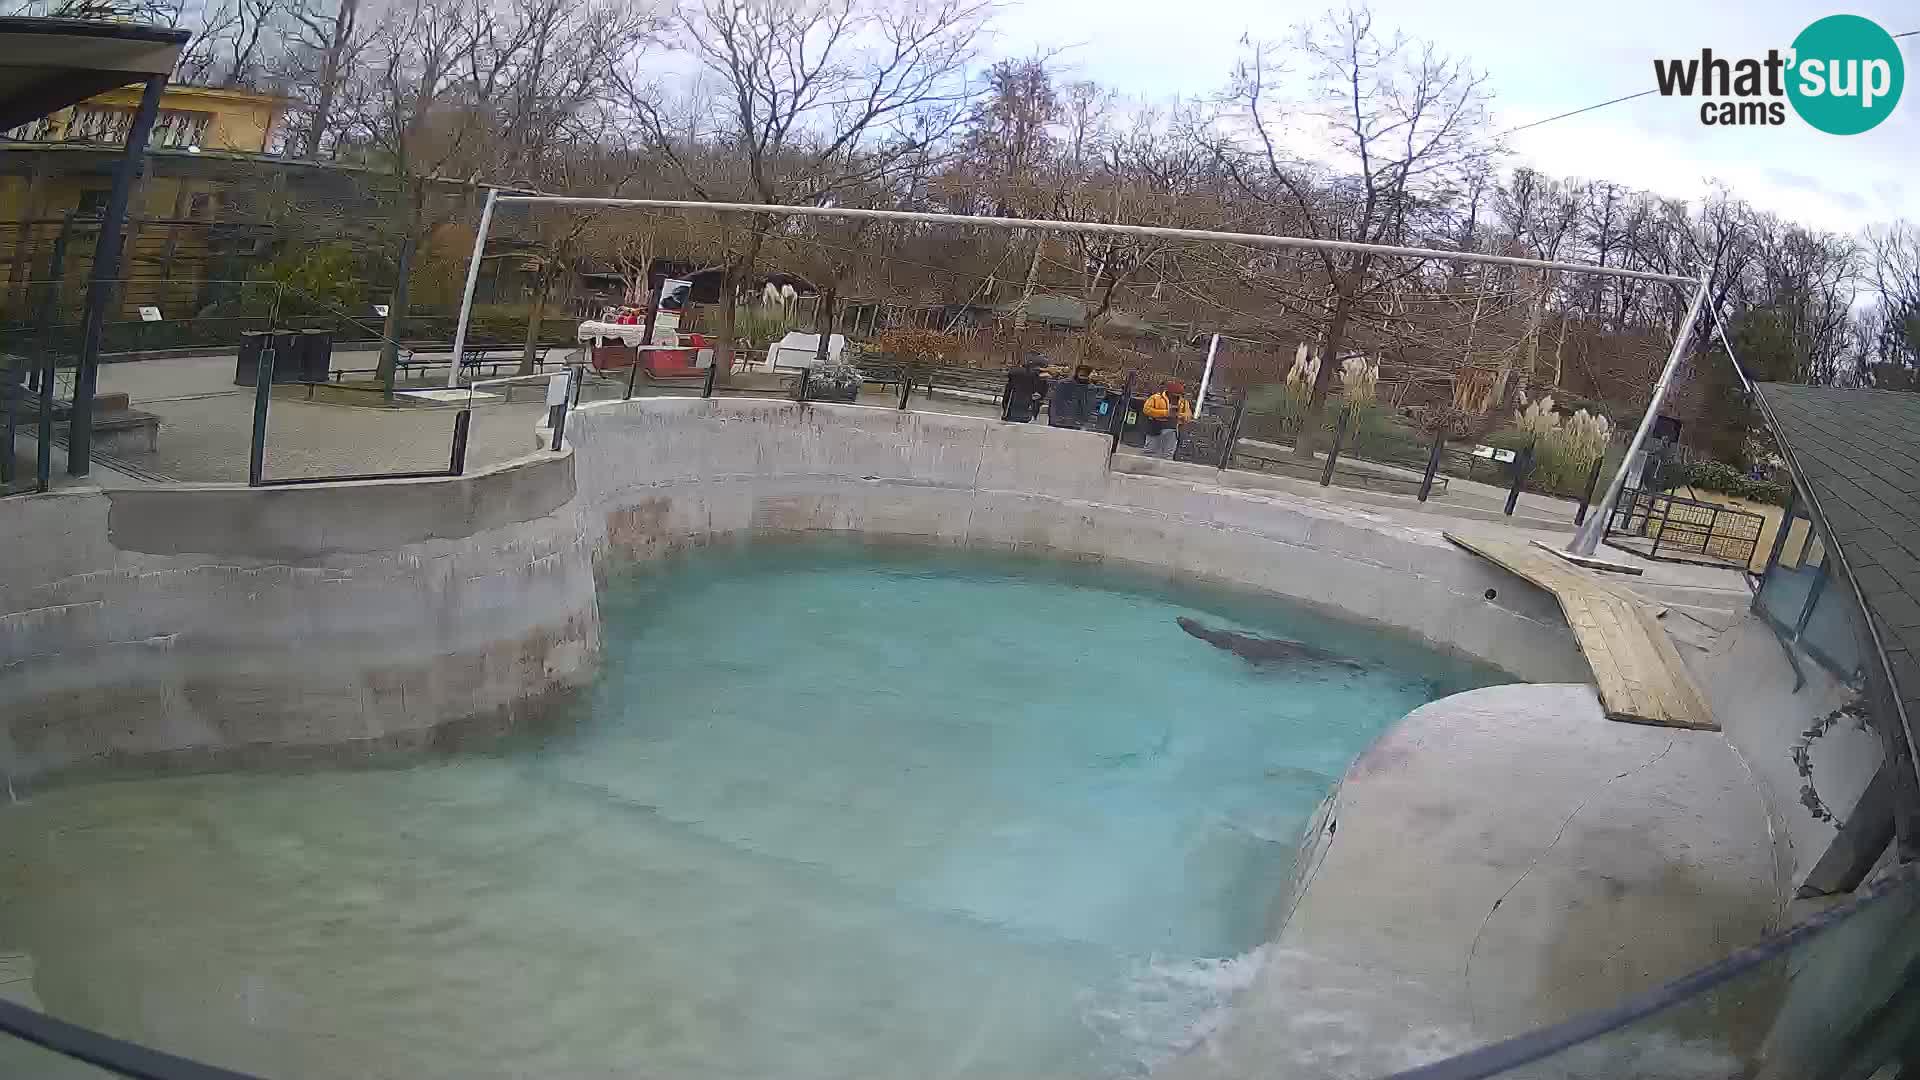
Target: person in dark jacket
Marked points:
1026	391
1070	403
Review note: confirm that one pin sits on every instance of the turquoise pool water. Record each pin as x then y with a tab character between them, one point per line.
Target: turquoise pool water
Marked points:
828	812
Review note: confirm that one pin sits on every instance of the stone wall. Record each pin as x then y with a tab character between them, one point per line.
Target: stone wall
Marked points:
200	622
661	474
195	622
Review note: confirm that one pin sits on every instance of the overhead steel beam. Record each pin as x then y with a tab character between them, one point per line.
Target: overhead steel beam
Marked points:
1098	228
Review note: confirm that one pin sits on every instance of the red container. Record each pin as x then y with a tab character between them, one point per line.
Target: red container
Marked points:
613	356
671	363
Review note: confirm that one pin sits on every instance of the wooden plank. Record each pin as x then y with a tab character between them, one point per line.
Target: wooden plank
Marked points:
1639	673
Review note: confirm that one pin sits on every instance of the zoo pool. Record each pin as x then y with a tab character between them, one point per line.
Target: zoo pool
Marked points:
828	812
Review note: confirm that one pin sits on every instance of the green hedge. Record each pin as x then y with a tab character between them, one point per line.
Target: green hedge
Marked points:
1724	478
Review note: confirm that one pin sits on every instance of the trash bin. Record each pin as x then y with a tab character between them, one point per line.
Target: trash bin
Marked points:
315	353
246	368
1135	431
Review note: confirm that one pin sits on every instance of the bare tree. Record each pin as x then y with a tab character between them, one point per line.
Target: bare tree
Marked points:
1401	124
813	100
328	42
433	66
1893	358
236	43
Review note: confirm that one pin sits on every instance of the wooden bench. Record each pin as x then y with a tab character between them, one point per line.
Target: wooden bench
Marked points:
1637	669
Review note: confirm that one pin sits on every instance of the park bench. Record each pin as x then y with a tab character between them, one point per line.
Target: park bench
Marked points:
485	359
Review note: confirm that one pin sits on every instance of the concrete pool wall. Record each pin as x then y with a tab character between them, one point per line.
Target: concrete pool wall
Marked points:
193	622
1502	857
661	474
190	623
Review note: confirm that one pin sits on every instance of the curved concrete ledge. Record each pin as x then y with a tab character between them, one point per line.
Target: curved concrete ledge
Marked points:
310	521
1615	858
204	621
661	474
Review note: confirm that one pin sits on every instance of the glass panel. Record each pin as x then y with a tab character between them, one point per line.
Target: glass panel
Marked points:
1834	634
1784	592
1799	532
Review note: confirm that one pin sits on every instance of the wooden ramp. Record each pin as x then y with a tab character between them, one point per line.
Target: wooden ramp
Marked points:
1639	673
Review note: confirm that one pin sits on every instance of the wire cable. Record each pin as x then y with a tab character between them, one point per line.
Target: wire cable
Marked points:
1576	112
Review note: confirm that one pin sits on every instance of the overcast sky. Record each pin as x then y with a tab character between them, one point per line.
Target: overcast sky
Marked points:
1545	57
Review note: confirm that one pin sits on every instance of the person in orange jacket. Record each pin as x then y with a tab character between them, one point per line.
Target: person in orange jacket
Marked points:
1164	413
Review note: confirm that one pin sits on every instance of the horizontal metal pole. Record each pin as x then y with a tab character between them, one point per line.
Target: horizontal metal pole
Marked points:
1100	228
504	380
354	478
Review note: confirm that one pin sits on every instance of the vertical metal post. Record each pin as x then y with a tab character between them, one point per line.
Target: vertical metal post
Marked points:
50	300
457	464
106	268
706	388
1586	540
1586	497
1206	377
14	388
262	393
559	390
560	421
1120	414
800	387
1333	451
906	384
466	298
1665	513
633	374
43	460
1233	431
1433	463
1780	536
1522	464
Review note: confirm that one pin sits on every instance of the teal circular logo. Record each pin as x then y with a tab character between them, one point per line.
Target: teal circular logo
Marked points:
1846	75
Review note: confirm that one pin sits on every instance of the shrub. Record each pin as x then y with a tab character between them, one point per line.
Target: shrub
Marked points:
1538	420
913	345
1564	450
1724	478
1359	381
1306	368
838	375
319	279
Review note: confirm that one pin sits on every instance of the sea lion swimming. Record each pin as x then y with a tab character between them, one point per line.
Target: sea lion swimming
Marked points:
1259	650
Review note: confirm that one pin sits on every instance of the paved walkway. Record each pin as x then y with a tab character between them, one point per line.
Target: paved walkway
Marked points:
206	425
207	421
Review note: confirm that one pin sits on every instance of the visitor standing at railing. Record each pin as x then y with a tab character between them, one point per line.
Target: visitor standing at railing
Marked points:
1026	391
1165	412
1070	402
